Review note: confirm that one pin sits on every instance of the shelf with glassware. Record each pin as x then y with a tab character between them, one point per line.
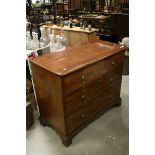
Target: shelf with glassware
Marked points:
74	35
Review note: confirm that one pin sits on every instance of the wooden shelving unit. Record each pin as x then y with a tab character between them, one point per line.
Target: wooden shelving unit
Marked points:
92	5
59	8
62	9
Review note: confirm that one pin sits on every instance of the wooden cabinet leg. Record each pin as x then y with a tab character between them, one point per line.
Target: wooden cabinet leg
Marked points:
67	142
118	104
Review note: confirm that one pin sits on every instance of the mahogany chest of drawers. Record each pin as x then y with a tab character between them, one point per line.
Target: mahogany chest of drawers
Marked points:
77	85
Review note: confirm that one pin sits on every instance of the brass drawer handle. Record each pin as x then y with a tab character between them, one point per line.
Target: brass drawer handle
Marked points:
83	116
109	96
82	78
111	79
83	97
113	62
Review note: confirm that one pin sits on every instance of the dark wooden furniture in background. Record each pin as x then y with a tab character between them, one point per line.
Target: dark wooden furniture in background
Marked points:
62	8
77	85
119	23
92	5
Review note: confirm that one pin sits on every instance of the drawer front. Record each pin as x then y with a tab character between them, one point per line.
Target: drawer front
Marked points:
91	94
102	101
91	73
114	93
114	62
72	82
119	57
84	114
107	97
74	101
114	77
97	83
80	97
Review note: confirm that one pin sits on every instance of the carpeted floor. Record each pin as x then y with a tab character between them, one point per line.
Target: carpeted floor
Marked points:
108	135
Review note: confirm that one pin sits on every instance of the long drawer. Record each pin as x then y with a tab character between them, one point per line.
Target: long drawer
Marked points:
72	82
114	62
91	73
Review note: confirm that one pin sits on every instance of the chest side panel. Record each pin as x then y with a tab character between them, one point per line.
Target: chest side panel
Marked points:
48	89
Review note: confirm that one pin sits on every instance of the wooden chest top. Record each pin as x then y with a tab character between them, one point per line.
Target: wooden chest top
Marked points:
76	57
